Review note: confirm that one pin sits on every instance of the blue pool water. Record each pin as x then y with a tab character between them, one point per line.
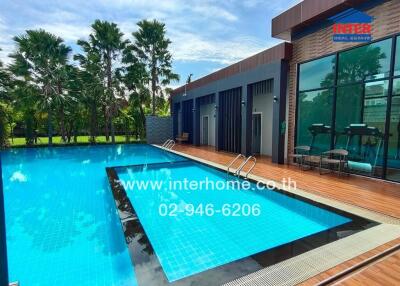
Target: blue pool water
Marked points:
62	226
189	244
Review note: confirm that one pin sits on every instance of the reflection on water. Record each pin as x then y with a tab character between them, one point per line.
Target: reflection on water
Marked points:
61	221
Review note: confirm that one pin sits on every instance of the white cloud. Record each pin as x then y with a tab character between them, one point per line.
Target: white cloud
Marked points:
273	6
69	32
214	12
191	47
6	43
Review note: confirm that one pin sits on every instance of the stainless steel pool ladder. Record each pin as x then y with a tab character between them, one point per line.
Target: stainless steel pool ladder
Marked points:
240	156
169	144
250	158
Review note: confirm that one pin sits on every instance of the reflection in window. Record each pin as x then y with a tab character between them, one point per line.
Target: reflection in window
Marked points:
360	124
366	62
393	160
315	107
376	89
396	86
318	73
397	63
348	110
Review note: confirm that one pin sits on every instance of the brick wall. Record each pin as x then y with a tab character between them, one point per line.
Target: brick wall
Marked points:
158	129
387	22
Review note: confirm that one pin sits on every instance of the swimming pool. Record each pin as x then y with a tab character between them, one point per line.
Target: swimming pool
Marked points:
64	221
62	227
215	248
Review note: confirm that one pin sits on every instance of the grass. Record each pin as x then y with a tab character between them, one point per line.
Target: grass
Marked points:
81	140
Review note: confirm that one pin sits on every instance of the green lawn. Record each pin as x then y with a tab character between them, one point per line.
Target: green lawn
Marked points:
81	140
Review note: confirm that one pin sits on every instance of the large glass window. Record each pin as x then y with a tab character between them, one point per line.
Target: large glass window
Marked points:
348	110
317	74
397	63
356	93
365	63
315	108
393	160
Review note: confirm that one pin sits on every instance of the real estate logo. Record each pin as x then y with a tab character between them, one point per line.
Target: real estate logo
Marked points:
352	26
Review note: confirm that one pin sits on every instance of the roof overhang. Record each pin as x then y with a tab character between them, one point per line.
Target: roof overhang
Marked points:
281	51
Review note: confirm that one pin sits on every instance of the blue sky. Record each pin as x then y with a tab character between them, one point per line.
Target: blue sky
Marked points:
206	35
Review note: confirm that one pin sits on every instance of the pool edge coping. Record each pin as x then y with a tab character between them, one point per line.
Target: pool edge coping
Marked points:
354	209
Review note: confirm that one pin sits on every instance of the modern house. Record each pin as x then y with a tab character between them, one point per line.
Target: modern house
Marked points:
333	83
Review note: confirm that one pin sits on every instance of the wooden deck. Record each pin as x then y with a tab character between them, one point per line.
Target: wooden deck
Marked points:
375	195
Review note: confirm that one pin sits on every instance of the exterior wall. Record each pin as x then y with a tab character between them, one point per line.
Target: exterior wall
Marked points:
158	129
319	43
264	103
273	70
208	110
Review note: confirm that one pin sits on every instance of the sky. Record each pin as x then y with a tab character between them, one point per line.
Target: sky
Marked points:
206	35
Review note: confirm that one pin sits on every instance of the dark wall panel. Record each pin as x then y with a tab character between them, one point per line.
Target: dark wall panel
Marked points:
187	118
231	117
175	114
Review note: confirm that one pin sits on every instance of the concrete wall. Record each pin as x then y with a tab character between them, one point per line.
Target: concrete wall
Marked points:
319	43
209	110
158	129
264	103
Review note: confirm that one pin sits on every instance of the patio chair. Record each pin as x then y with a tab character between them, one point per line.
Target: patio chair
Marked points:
300	152
304	154
336	159
183	138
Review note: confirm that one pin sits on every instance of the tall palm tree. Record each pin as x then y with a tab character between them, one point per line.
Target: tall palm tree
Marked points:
91	75
108	39
4	81
40	58
151	45
134	76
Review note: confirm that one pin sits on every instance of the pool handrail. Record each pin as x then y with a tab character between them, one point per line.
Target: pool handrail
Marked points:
233	161
166	142
244	164
170	145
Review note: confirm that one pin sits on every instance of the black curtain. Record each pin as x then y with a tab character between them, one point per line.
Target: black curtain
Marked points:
175	112
231	117
187	118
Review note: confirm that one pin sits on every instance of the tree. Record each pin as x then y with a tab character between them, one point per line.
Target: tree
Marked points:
134	76
151	46
108	40
41	58
91	75
5	80
7	114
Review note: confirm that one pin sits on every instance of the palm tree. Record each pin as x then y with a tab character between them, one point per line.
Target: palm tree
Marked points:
134	76
108	40
4	81
91	75
151	46
41	58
